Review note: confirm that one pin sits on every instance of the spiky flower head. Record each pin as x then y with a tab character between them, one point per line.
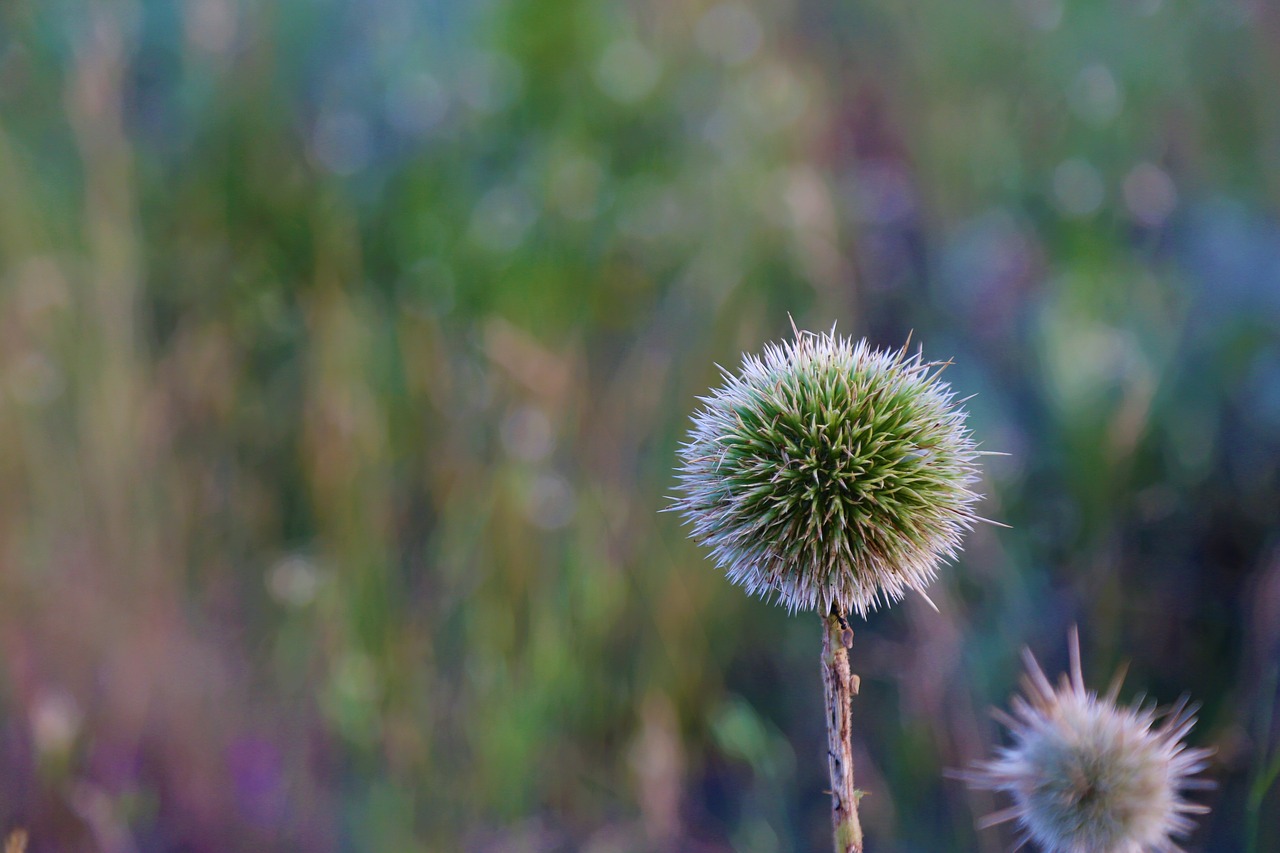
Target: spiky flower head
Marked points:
1088	776
830	474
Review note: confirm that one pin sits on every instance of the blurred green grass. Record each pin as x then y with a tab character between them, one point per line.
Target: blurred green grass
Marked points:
347	346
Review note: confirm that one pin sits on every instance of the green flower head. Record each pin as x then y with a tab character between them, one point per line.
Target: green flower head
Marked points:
830	474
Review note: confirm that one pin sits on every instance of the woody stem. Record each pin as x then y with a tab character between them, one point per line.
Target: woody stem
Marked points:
840	685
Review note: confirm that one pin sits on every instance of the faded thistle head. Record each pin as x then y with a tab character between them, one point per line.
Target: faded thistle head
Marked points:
1087	776
830	474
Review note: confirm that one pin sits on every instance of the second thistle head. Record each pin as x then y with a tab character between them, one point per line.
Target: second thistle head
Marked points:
1089	776
830	474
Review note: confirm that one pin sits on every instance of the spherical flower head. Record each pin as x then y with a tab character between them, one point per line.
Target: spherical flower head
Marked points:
830	474
1088	776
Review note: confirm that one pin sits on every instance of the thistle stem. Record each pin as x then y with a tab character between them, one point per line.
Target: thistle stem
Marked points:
840	684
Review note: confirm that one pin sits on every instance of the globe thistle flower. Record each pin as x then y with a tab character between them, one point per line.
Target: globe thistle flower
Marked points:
1088	776
830	474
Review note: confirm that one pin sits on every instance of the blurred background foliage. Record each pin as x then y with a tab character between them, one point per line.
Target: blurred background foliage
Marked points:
347	345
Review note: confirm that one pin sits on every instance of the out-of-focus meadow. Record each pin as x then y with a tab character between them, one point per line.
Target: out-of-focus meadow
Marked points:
347	346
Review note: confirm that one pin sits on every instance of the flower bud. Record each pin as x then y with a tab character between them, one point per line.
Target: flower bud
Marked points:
830	474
